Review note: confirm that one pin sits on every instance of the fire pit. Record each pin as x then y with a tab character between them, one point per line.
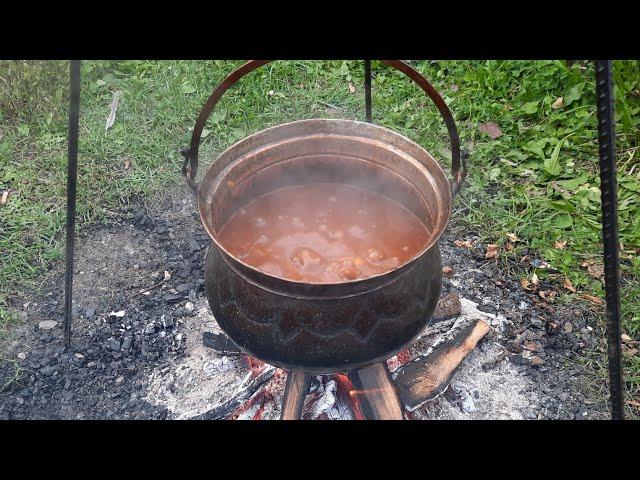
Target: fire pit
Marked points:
309	327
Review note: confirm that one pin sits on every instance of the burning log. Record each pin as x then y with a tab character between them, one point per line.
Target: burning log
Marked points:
428	376
375	392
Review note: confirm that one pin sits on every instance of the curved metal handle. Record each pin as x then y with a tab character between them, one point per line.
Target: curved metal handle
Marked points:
190	153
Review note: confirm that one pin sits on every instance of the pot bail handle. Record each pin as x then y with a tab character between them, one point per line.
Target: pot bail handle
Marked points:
190	153
458	161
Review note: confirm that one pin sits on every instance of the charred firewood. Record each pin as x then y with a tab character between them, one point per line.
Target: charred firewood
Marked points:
428	376
246	390
220	343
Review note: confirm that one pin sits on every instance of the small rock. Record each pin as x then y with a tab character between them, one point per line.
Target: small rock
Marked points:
183	287
568	327
126	343
536	361
449	306
167	321
447	271
47	324
189	307
171	298
113	344
22	355
150	328
79	356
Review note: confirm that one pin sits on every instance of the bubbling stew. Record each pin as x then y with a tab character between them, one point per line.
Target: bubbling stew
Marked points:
323	233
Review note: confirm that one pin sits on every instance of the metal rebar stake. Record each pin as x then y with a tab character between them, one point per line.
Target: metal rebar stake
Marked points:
608	189
72	173
367	88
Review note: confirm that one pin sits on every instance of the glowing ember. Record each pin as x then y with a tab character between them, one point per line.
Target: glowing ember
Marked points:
345	392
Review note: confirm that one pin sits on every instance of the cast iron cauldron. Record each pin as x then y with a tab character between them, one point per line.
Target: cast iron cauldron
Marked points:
314	327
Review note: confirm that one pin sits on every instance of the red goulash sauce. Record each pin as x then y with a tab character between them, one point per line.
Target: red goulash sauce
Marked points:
323	233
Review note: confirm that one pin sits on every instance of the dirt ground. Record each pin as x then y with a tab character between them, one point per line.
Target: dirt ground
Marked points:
141	312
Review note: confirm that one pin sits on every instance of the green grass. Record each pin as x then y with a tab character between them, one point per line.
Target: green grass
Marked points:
539	180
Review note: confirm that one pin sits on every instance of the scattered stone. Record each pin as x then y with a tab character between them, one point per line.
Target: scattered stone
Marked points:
22	355
172	298
113	344
189	307
536	361
447	271
47	324
449	306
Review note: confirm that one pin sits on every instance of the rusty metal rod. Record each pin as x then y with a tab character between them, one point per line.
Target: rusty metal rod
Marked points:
72	174
608	190
367	89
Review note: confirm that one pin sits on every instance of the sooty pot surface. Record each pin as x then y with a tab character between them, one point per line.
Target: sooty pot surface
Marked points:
331	327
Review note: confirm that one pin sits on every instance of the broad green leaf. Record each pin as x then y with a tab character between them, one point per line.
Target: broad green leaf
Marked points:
573	94
563	205
536	146
563	221
530	107
574	183
552	164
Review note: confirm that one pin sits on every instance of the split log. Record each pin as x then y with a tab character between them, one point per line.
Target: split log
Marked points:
428	376
245	392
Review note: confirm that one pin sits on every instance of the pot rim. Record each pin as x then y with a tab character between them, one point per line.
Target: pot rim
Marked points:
437	171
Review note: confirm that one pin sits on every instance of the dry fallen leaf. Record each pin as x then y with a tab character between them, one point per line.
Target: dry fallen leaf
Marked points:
490	128
560	244
559	103
534	278
352	88
526	284
633	403
594	269
568	285
127	163
512	237
492	251
531	346
592	299
447	270
626	338
5	196
465	244
111	118
508	246
167	276
547	294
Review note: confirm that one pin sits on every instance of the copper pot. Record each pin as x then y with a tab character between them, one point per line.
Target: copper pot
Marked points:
314	327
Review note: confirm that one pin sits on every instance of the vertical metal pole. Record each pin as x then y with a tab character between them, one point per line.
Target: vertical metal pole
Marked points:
367	88
72	174
608	190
